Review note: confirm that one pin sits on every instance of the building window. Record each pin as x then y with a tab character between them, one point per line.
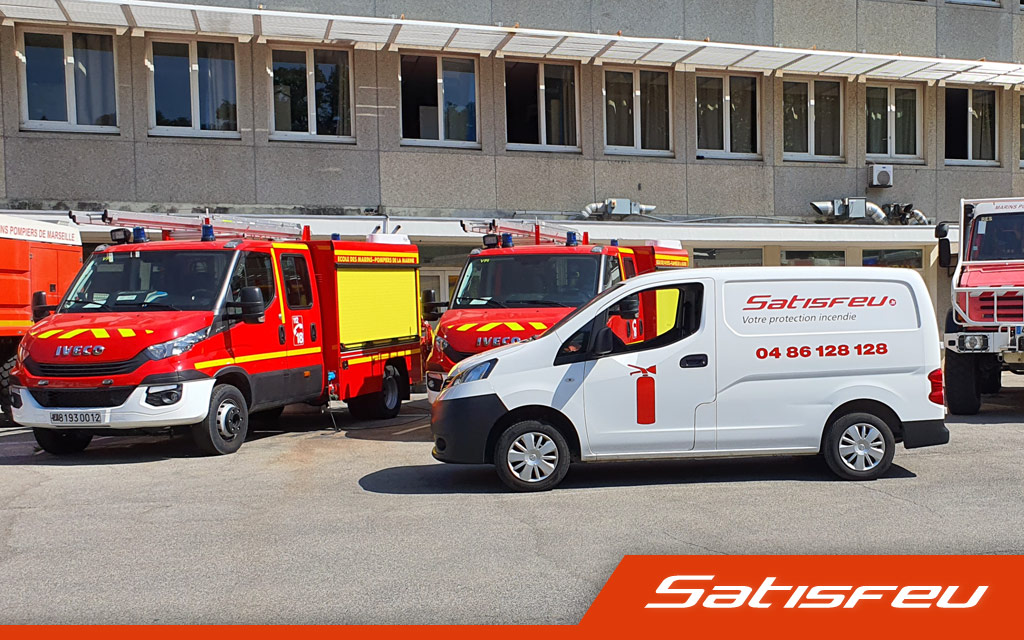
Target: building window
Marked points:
813	259
455	123
812	126
312	94
540	105
971	124
735	134
893	122
68	81
727	257
1022	128
637	113
909	258
193	88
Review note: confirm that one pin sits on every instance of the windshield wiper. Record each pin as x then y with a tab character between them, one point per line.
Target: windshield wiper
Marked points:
542	303
101	305
484	300
161	305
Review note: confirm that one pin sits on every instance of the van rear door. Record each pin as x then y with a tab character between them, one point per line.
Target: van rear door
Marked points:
644	396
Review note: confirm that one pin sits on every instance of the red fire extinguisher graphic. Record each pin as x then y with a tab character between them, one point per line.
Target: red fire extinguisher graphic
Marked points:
644	393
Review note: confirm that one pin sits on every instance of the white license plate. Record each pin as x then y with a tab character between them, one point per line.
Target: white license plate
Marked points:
76	417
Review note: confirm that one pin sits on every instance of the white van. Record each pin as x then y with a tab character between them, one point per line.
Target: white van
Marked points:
730	362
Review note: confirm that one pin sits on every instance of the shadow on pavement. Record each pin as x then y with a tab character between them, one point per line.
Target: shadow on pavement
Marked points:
442	479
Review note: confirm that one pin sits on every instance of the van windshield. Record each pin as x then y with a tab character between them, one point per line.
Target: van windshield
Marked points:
148	281
998	237
528	280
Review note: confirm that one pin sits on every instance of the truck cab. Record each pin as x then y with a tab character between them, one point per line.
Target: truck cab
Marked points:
508	293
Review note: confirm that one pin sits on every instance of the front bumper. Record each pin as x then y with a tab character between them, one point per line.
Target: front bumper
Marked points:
924	433
989	341
131	414
461	427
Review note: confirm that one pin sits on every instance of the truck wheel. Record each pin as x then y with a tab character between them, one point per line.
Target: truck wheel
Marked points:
383	404
859	446
990	373
963	396
224	428
5	386
62	443
531	456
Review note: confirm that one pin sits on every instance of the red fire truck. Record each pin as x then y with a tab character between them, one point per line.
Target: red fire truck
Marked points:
508	293
220	321
34	257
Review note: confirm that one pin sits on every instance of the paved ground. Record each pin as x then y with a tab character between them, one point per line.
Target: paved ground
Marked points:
361	525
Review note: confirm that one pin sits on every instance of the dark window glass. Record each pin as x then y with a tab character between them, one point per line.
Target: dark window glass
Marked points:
629	266
910	258
44	77
612	272
291	108
999	237
528	281
618	87
419	97
813	259
877	108
333	101
459	84
295	275
654	123
827	118
560	104
171	85
906	121
710	127
521	104
983	121
957	121
253	270
217	103
727	257
743	114
668	314
94	79
794	117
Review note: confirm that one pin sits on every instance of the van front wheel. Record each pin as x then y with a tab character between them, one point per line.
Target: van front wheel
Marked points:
859	446
531	456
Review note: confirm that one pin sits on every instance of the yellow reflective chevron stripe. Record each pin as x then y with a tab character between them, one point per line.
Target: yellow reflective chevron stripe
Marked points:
100	333
71	334
539	326
515	326
466	327
256	357
381	356
50	333
489	326
126	333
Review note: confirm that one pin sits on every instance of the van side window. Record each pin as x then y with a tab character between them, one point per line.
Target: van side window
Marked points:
295	275
629	266
253	270
612	272
655	317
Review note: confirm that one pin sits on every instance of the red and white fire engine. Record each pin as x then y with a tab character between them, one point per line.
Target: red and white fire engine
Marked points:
526	278
219	321
985	326
38	257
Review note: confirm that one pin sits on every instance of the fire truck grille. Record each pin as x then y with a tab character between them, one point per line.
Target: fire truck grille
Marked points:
84	398
456	356
82	370
1010	309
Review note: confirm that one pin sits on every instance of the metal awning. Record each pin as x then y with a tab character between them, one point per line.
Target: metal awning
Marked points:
140	16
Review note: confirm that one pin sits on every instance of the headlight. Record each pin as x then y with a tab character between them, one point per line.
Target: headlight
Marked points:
973	342
177	346
22	352
440	344
474	373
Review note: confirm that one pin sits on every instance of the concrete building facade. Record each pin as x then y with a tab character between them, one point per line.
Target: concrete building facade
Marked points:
375	170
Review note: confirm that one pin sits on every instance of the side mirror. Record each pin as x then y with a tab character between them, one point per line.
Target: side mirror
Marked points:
39	307
604	342
252	304
429	307
942	230
945	253
627	308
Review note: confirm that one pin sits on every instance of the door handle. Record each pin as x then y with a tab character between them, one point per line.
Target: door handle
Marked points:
312	332
280	334
694	361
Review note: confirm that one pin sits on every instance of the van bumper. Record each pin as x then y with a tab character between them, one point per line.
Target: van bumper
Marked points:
924	433
461	425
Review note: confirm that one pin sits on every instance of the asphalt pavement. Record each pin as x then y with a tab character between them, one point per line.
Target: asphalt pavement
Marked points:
308	524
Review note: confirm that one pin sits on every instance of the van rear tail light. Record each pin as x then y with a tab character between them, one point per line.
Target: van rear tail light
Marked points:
936	395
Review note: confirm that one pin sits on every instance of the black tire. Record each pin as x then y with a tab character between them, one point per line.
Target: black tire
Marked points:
226	424
990	373
963	393
5	386
62	442
841	449
512	473
383	404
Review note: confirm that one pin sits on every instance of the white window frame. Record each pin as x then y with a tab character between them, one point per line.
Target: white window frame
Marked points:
977	3
193	60
810	155
71	125
636	149
890	109
971	162
542	108
311	134
1020	123
439	75
727	119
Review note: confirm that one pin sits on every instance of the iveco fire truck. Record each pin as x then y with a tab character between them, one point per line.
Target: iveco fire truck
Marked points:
985	326
220	320
525	279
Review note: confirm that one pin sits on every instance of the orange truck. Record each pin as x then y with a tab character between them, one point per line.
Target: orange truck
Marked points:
38	258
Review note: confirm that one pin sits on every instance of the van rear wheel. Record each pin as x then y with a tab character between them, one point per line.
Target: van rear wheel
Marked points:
531	456
226	423
859	446
62	442
963	392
